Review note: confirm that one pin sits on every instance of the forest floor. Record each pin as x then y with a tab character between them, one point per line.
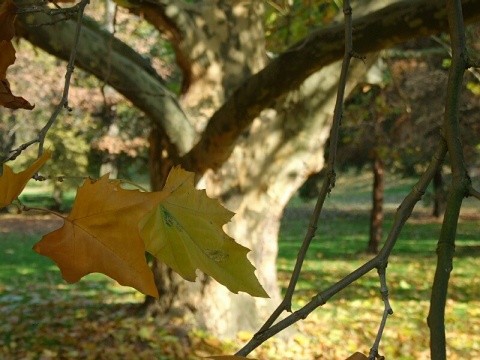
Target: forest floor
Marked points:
42	317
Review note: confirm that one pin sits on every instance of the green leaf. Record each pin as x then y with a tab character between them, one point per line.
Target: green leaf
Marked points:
185	232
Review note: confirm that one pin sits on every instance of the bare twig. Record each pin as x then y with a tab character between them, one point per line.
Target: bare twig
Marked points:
403	213
40	139
474	193
49	11
70	67
329	182
382	273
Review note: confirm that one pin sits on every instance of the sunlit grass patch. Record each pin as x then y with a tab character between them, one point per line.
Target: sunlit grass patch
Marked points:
44	317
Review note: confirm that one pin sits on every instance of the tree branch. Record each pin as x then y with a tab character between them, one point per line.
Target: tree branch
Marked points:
171	18
129	73
474	193
382	29
403	213
459	187
329	182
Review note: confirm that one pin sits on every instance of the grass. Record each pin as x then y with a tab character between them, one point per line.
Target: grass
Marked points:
349	322
43	318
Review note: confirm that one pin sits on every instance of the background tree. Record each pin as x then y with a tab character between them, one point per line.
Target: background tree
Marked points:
243	100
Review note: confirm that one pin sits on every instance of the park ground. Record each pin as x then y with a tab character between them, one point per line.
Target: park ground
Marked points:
42	317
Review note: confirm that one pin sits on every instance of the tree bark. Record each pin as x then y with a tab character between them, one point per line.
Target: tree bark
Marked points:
439	196
376	215
132	76
263	126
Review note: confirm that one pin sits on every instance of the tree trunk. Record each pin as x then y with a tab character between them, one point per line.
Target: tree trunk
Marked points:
376	215
439	197
261	143
268	164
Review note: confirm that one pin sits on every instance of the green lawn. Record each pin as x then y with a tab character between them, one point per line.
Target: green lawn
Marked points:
42	317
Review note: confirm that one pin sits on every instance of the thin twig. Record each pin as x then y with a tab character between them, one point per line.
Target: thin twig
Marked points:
474	193
403	213
40	139
329	182
382	273
70	68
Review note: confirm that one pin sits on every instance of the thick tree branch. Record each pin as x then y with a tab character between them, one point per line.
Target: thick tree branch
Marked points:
134	78
171	18
382	29
129	73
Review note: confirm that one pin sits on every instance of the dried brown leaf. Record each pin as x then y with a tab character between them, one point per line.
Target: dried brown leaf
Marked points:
8	13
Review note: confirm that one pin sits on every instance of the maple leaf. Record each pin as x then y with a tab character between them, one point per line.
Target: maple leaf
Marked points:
7	57
11	184
185	232
101	235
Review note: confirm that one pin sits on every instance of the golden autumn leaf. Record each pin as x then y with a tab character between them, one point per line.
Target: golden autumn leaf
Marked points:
101	235
11	184
185	232
357	356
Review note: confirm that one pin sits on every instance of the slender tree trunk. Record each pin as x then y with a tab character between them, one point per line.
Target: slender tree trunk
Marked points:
376	215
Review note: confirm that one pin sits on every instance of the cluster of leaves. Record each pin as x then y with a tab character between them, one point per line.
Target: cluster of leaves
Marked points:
110	228
290	21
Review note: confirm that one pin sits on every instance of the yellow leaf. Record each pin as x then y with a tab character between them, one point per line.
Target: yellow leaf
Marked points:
11	184
101	235
357	356
185	232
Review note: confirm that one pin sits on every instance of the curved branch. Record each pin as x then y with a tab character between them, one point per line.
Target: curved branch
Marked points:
134	78
129	73
171	18
385	28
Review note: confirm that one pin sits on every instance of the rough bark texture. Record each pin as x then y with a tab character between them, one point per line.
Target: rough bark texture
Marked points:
380	29
257	144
